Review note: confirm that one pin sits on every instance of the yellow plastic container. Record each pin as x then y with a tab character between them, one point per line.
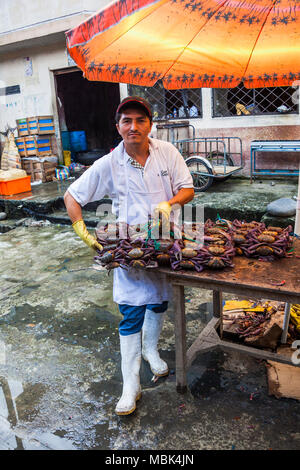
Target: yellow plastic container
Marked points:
67	157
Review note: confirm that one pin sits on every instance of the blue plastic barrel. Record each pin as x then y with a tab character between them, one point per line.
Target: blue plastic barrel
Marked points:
78	142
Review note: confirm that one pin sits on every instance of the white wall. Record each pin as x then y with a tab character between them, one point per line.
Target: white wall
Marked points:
35	97
17	14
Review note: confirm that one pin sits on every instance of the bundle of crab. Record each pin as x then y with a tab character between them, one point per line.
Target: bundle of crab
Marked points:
131	247
186	251
259	241
239	233
161	253
187	254
207	246
218	244
110	236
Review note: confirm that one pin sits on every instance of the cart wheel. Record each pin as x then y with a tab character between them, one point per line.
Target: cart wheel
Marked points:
201	181
217	158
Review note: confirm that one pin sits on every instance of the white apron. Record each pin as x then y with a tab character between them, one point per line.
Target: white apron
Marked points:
137	286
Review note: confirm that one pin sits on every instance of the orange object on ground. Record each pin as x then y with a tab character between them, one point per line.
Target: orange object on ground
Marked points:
191	43
20	185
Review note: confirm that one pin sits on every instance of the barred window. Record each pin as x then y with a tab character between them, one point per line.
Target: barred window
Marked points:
170	104
240	101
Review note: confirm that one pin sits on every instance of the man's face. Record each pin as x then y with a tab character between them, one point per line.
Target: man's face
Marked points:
134	126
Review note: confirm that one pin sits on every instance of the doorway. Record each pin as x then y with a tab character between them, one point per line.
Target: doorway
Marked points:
88	109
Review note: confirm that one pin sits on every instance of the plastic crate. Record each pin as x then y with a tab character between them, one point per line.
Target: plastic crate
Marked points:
17	186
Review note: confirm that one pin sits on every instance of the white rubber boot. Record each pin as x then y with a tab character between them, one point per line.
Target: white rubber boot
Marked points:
152	327
130	347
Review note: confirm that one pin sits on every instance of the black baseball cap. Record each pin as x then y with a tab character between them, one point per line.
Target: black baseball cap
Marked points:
137	100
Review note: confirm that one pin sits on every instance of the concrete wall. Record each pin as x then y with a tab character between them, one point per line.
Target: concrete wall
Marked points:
32	42
36	97
18	14
23	20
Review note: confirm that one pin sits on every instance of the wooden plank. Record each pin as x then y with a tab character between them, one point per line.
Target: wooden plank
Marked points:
249	292
217	304
206	341
259	353
218	308
180	339
219	169
209	338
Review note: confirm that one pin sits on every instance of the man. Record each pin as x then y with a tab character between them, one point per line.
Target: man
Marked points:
140	175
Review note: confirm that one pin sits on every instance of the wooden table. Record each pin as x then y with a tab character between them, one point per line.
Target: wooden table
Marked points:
250	278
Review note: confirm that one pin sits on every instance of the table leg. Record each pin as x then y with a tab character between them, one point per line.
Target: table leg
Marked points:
218	309
180	338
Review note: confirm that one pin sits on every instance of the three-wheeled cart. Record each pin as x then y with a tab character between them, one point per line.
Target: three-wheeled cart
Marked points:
208	158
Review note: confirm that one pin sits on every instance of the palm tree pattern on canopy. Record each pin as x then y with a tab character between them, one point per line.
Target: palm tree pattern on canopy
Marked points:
123	8
104	20
216	11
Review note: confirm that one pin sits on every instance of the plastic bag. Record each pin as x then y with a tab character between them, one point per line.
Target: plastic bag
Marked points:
9	175
62	173
10	156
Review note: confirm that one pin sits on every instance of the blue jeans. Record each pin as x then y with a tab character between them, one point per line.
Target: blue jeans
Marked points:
134	316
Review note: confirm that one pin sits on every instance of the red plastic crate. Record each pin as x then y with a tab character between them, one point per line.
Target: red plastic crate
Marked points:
20	185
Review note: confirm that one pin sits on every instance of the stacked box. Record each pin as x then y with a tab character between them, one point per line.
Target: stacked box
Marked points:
34	145
40	169
39	125
37	146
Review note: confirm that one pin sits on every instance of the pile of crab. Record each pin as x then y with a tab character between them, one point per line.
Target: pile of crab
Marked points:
252	323
129	246
200	246
124	246
203	246
255	240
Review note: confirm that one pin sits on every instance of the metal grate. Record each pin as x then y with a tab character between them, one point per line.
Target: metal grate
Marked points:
240	101
170	104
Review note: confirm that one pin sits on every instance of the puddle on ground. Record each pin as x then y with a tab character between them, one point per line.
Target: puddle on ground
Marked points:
19	402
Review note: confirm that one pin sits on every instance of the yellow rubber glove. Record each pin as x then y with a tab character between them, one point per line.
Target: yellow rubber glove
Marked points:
81	230
163	209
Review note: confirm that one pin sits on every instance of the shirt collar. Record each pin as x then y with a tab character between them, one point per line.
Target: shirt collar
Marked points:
152	146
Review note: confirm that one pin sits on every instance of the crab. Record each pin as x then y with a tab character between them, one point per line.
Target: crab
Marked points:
267	243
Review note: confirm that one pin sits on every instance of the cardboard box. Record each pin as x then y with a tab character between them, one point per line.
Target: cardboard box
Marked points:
40	169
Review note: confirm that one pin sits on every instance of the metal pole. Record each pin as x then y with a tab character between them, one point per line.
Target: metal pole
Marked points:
297	221
287	310
286	320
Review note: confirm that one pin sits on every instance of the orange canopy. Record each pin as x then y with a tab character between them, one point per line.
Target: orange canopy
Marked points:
191	43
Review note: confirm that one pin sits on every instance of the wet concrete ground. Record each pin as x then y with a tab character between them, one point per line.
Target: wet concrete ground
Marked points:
231	199
60	373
